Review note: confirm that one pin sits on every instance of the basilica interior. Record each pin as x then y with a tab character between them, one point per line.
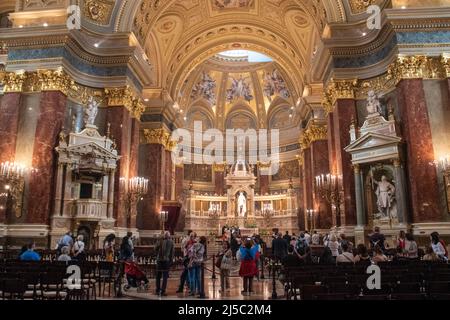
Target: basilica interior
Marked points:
353	96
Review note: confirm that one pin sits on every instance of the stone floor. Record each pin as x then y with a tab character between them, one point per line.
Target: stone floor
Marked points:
262	289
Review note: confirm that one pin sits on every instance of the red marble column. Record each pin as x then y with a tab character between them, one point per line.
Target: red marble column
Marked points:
320	165
264	184
179	177
41	185
152	168
331	143
301	204
423	181
219	182
9	123
307	185
167	173
121	126
134	158
345	110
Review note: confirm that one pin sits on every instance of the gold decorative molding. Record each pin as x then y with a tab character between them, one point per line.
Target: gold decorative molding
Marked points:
219	167
417	67
13	82
314	132
159	136
338	89
54	80
445	61
98	11
125	97
360	6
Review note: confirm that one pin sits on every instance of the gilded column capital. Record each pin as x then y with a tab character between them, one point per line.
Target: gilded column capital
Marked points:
417	67
124	96
159	136
445	61
339	89
313	132
219	167
52	80
14	81
356	168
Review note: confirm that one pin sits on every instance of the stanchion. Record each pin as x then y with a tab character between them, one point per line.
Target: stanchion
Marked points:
274	283
262	266
118	282
202	285
214	268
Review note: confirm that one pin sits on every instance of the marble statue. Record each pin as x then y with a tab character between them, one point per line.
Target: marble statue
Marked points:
239	88
242	204
373	103
90	112
385	193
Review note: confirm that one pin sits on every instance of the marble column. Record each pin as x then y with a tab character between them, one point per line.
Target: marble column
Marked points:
9	124
359	197
423	180
179	178
263	184
153	156
400	191
133	164
331	143
42	183
320	165
168	172
301	205
345	110
307	186
219	182
121	126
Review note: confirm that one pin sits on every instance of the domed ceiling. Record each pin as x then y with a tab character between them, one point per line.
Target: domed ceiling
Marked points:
239	89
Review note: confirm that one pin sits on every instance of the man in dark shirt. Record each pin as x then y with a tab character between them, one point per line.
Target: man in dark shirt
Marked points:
287	237
377	238
291	260
279	247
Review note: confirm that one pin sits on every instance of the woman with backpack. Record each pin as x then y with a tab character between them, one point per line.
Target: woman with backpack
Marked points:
225	264
247	255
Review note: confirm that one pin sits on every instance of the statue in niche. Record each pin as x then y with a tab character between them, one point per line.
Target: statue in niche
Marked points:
239	88
373	104
90	112
242	204
385	193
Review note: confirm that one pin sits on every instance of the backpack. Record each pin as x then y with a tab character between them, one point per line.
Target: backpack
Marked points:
445	247
300	246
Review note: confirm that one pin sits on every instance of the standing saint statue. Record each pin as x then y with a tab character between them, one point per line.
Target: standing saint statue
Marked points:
90	112
373	103
242	204
385	193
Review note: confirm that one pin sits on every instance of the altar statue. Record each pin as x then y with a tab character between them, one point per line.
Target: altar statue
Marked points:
242	204
386	196
90	112
373	103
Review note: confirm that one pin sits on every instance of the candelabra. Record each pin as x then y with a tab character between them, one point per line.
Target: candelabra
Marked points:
12	178
132	191
163	217
328	188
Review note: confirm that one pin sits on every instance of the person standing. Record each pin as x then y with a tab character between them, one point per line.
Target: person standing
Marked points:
437	246
315	239
108	247
333	244
411	250
377	239
186	243
196	257
65	241
78	249
287	238
247	255
164	258
279	247
225	266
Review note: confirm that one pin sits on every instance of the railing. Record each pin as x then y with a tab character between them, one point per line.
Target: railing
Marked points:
88	208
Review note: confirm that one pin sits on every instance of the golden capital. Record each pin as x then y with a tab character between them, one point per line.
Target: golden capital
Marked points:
53	80
14	81
445	61
124	96
314	132
219	167
408	67
356	168
159	136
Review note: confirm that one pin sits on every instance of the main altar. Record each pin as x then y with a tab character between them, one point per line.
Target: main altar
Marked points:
241	206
